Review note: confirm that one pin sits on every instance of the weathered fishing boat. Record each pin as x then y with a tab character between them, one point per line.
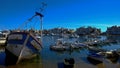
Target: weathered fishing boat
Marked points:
22	45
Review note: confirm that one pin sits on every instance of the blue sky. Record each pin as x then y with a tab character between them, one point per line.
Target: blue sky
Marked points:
61	13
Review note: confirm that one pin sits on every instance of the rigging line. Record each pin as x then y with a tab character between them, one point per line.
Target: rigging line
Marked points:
43	6
33	23
20	27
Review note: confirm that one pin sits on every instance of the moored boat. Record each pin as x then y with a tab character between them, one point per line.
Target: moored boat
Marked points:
95	50
95	58
78	45
60	45
111	55
3	37
69	63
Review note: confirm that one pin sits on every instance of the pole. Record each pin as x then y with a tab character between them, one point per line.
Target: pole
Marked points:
41	19
41	27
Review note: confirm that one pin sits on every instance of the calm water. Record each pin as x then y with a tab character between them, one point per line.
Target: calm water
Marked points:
52	59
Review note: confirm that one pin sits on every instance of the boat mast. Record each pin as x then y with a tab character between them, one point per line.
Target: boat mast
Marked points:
41	18
41	23
41	27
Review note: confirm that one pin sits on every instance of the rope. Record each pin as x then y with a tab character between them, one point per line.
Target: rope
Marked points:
25	23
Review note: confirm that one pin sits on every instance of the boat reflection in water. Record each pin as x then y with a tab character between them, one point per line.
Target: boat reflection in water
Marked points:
35	62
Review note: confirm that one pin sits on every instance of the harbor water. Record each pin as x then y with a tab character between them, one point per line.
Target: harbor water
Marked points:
54	59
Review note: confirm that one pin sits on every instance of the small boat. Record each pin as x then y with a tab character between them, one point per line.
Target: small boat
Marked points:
95	50
112	56
95	58
92	41
78	45
58	48
60	45
21	45
3	37
69	63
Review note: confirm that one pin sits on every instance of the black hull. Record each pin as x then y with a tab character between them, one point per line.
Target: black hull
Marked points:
68	66
69	63
94	60
10	59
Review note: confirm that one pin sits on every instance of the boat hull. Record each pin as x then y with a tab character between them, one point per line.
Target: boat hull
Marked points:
10	59
21	46
69	63
94	59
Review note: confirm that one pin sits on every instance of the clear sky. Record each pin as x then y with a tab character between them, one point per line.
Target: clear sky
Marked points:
61	13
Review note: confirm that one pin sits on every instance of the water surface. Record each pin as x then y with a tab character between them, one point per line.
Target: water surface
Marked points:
52	59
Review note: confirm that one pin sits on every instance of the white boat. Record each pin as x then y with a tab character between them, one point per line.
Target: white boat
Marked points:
3	38
78	45
60	45
21	45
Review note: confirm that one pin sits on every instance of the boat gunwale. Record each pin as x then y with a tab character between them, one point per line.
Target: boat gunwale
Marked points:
28	34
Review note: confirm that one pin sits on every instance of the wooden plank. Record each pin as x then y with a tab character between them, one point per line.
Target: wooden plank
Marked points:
22	49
